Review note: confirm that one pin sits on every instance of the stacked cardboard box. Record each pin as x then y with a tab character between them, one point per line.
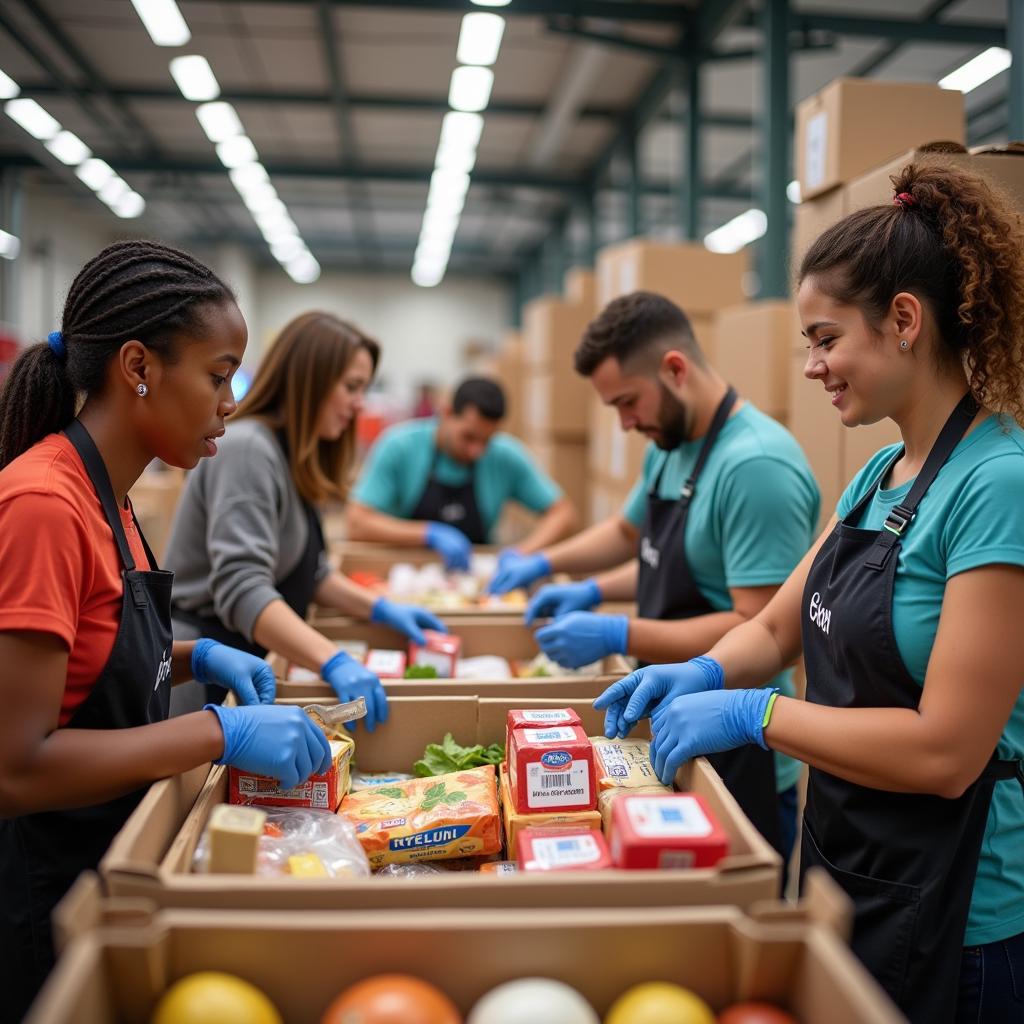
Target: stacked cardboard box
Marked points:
555	397
509	371
615	458
581	288
154	500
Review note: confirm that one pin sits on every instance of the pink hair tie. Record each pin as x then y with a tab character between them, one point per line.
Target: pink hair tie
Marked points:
904	199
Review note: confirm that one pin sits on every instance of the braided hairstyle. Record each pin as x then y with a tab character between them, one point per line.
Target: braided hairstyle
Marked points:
951	239
135	290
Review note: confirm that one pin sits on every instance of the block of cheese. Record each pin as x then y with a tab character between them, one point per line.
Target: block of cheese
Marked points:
234	834
623	764
515	822
675	830
557	849
551	769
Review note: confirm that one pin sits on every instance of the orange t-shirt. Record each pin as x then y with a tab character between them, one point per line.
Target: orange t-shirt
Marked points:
61	571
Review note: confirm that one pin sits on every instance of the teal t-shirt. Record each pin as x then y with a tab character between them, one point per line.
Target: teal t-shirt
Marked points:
752	517
972	515
398	466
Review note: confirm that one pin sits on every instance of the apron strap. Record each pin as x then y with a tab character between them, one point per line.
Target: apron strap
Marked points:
903	514
1000	771
717	422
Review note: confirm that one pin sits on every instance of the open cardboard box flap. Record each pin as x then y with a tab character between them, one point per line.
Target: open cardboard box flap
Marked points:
152	855
116	972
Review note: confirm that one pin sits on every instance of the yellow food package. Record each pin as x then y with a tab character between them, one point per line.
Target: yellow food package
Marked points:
623	764
438	818
306	865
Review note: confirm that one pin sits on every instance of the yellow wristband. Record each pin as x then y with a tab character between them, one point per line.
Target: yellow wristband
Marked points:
768	710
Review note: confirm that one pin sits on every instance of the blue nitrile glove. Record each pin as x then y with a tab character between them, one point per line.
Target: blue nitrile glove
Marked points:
581	638
250	678
706	723
450	543
272	740
406	618
557	599
350	680
519	571
639	694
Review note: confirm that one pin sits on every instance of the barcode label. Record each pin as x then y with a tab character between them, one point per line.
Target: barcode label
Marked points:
562	851
555	735
549	790
557	781
661	817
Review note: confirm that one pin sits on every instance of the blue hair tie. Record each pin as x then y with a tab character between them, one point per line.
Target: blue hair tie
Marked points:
57	346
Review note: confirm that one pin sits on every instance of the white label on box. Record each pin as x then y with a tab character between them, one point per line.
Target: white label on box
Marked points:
667	817
628	273
546	716
388	662
506	869
547	788
441	662
614	761
816	150
549	735
562	851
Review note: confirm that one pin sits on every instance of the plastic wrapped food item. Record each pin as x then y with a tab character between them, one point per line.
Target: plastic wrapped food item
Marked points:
484	666
542	666
409	871
437	818
367	780
294	839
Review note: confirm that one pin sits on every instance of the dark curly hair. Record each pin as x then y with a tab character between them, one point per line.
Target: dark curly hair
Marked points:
632	324
131	290
957	245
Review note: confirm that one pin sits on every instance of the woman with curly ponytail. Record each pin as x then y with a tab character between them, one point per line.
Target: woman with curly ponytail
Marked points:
907	610
140	369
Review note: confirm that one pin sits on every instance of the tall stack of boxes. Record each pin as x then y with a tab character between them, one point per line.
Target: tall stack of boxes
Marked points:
850	128
555	398
509	372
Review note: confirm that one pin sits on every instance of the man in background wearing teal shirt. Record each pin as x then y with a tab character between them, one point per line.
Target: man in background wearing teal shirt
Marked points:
442	482
724	511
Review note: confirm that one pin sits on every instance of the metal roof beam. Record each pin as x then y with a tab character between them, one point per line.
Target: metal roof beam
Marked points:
903	30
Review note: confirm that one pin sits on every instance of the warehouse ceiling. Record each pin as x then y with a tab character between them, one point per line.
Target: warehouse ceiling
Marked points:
344	102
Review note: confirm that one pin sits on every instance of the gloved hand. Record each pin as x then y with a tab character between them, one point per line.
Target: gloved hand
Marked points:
580	638
250	678
706	723
519	571
450	543
557	599
640	693
350	680
272	740
406	618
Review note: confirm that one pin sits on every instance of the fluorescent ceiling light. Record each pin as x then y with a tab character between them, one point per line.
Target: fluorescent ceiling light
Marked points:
9	88
275	225
454	158
793	192
738	232
248	175
461	129
260	198
95	173
303	269
470	89
270	212
129	205
237	151
113	191
195	78
163	21
433	253
219	121
280	233
491	3
439	230
287	248
978	70
444	183
10	245
68	148
427	275
36	121
480	38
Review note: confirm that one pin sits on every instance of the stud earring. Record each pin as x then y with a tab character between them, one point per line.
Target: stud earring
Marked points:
904	344
141	390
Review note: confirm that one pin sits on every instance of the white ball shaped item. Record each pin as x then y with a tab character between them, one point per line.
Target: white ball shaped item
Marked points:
531	1001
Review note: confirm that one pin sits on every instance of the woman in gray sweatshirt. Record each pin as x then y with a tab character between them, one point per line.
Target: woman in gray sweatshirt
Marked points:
246	546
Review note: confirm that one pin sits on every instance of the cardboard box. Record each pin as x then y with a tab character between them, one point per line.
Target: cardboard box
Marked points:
562	849
154	500
509	372
552	330
515	822
607	498
122	957
695	279
151	856
355	556
1002	167
322	790
811	218
580	288
565	462
551	768
555	403
536	718
753	346
665	830
854	124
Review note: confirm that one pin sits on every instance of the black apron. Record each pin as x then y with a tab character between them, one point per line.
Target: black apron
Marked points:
907	860
296	590
42	854
666	589
453	504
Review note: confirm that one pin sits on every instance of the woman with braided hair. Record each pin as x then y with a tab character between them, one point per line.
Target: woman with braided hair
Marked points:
141	369
907	610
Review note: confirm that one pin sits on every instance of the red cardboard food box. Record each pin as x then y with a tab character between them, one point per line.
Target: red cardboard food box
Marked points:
562	849
386	664
538	718
552	769
323	792
441	651
670	830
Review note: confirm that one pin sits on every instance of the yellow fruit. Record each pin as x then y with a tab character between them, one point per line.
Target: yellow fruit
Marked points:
659	1002
212	997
